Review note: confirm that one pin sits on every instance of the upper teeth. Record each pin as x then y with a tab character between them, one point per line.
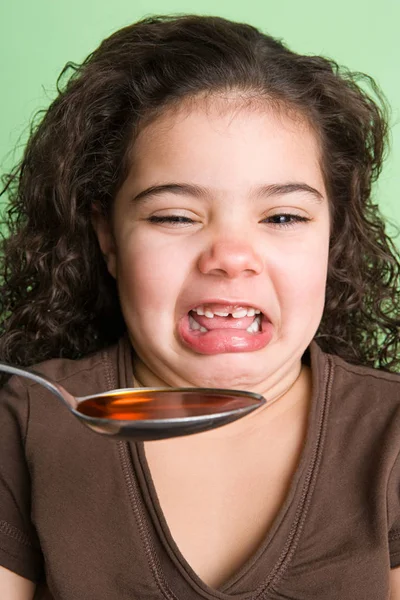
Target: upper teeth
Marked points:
254	327
236	313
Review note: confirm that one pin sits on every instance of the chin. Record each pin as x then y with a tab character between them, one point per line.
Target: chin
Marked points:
230	374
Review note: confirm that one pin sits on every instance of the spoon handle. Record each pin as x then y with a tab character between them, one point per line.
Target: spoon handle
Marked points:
56	388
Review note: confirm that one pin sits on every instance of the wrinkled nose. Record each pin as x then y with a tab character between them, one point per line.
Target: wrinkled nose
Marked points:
230	258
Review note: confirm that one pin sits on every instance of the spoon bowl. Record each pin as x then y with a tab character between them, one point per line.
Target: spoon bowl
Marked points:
145	414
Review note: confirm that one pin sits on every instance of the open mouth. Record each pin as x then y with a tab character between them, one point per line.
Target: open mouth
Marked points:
216	328
208	318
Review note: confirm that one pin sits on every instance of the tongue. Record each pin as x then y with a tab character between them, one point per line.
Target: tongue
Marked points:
222	322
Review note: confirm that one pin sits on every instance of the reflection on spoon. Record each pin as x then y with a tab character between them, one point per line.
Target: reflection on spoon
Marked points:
144	414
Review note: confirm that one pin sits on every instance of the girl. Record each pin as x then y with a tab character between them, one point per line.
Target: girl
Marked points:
195	209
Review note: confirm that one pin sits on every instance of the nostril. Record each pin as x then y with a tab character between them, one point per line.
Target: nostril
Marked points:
230	259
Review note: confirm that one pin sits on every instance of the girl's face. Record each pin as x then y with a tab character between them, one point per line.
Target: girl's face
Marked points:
219	245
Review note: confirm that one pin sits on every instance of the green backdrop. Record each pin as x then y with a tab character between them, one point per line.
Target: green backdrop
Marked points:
38	37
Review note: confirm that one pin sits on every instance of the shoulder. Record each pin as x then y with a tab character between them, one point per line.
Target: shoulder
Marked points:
366	385
358	382
80	376
362	407
361	372
89	374
23	400
362	443
31	417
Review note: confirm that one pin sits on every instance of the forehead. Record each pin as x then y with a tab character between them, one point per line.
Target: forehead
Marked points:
226	136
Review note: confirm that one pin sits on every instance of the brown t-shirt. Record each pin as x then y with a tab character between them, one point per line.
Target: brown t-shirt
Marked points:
79	510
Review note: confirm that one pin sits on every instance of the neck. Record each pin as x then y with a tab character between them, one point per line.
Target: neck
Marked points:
288	400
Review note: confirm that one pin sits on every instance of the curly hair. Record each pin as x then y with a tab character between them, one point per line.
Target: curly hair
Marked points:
57	298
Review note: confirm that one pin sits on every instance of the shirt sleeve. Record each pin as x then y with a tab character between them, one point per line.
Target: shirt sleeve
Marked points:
19	545
393	504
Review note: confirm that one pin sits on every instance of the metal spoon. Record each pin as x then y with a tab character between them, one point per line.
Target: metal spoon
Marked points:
145	414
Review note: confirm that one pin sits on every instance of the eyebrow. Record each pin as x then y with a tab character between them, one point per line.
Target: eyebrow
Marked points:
269	190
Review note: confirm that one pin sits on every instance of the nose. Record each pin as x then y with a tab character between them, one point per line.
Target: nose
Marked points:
230	258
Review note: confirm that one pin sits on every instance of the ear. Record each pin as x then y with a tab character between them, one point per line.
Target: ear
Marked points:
103	229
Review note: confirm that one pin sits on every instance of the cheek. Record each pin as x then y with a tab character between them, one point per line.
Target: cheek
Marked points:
149	277
301	282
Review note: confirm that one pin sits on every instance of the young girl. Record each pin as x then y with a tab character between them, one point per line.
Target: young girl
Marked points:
195	209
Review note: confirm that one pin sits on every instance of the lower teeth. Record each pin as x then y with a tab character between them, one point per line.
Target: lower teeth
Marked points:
255	327
195	325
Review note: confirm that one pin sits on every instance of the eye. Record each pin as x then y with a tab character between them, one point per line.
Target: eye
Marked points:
285	219
173	220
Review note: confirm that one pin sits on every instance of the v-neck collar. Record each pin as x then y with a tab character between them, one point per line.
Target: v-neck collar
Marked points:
266	566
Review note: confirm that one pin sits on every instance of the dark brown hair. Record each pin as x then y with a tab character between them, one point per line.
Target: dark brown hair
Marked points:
57	298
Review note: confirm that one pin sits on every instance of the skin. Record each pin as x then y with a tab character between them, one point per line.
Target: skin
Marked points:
395	584
228	248
15	587
253	232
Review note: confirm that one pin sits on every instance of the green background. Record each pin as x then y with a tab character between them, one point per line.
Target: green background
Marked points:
38	37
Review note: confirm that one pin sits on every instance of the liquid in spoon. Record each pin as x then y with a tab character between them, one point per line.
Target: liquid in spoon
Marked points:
128	405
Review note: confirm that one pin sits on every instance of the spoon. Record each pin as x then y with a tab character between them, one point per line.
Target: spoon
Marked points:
144	414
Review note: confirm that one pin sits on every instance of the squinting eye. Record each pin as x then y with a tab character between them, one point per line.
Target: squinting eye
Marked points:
285	219
171	220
